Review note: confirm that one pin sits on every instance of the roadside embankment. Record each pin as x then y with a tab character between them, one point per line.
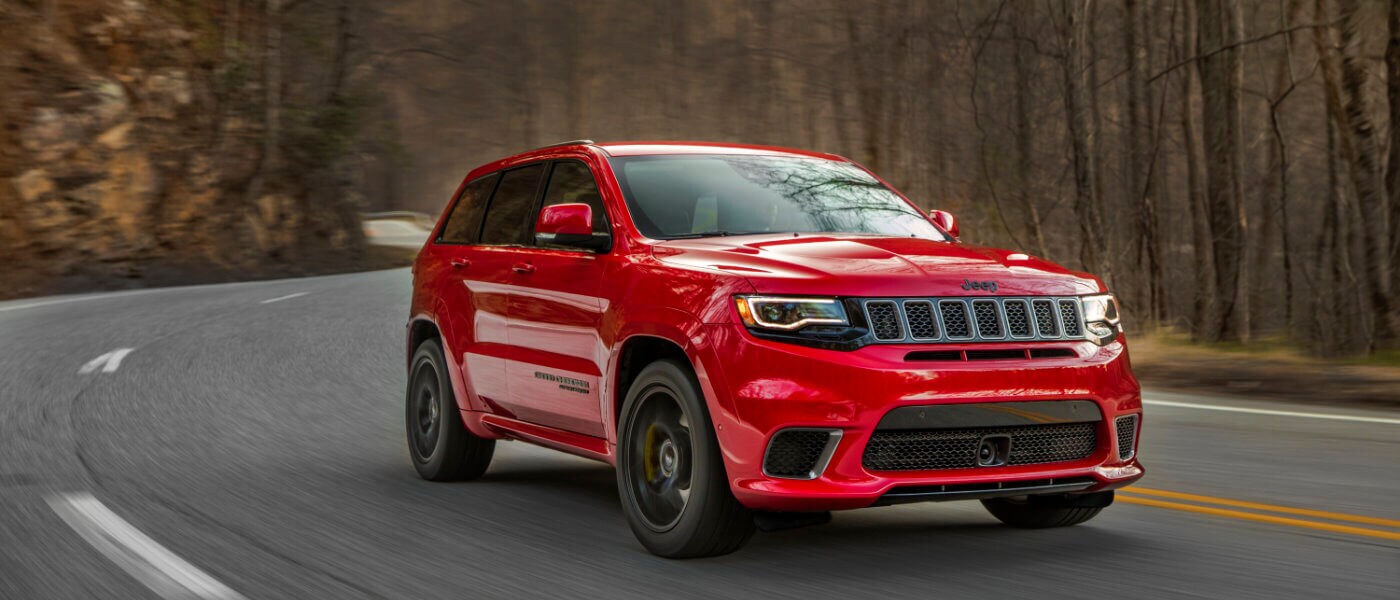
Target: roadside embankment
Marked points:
1263	370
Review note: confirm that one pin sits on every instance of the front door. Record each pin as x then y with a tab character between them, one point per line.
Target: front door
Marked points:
556	309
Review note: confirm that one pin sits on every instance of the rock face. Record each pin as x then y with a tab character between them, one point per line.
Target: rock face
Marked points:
118	156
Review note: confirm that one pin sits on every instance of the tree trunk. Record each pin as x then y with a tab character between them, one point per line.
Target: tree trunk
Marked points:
1343	146
1222	77
1366	172
869	90
1142	190
1392	175
1076	66
1273	227
1202	242
1025	147
340	54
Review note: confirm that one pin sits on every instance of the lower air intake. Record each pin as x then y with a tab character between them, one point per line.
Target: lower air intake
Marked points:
931	449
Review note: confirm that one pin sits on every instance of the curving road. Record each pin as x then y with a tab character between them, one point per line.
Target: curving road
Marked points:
249	444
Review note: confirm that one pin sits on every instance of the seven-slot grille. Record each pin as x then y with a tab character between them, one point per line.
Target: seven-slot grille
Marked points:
1127	434
974	319
931	449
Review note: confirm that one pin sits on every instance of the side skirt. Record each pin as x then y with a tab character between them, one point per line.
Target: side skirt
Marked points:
577	444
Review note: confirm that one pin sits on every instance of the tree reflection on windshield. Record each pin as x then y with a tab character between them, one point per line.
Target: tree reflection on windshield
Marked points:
673	196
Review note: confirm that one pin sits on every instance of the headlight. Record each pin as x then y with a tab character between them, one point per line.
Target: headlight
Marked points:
789	314
1101	320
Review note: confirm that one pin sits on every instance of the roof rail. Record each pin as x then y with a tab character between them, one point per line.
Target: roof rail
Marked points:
568	143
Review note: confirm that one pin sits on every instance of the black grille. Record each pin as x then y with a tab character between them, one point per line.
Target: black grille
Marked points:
884	320
795	452
1070	317
954	314
1127	433
1045	318
929	449
922	325
1018	320
973	319
988	321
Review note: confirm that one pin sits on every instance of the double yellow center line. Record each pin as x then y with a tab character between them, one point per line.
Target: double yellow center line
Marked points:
1255	511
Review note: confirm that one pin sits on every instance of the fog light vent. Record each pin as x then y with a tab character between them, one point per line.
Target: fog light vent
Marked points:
1127	435
800	453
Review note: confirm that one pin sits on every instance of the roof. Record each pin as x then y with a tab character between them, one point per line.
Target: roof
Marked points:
650	148
647	148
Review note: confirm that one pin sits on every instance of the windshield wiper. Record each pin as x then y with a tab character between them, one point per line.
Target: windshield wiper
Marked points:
705	234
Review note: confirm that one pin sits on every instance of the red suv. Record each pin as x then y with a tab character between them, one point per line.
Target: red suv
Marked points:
754	336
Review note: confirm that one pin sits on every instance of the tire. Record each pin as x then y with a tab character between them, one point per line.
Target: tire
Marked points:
670	476
439	443
1041	512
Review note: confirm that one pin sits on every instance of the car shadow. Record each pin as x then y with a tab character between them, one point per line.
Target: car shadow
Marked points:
877	540
587	484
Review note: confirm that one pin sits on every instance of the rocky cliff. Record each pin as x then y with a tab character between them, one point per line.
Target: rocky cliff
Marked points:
130	152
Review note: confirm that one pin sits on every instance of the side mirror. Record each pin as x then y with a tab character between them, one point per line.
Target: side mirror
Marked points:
569	225
946	221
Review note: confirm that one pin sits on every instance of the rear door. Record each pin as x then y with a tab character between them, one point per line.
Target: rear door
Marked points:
466	319
555	313
505	233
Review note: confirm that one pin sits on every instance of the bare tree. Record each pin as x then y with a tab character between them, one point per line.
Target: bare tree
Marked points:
1202	243
1363	152
1222	77
1392	175
1076	65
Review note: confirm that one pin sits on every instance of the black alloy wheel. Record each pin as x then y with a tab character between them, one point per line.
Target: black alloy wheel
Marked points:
660	459
441	446
670	474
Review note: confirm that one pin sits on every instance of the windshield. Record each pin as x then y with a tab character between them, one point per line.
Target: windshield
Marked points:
685	196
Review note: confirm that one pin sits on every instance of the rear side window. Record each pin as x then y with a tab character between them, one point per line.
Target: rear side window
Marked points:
507	217
464	224
572	183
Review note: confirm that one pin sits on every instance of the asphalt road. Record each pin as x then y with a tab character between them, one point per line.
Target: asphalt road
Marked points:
258	444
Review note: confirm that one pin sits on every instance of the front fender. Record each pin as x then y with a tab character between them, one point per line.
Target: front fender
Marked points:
687	332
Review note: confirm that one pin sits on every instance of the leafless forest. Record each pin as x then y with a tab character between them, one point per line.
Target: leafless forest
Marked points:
1228	167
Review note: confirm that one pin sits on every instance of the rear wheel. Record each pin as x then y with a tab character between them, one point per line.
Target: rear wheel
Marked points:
1040	512
440	444
670	475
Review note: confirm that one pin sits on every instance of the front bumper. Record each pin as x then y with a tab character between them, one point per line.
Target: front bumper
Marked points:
761	387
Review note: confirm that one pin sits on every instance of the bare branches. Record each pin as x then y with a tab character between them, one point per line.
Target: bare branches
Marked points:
1234	45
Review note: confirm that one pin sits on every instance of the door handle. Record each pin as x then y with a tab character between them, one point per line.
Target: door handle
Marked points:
460	263
523	268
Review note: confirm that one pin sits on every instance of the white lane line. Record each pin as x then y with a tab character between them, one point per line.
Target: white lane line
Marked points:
281	298
82	299
109	362
168	575
1276	413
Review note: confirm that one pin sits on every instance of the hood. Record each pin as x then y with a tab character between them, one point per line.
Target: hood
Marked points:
868	265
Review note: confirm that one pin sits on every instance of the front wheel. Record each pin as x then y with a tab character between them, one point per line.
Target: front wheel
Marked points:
1040	512
670	475
442	447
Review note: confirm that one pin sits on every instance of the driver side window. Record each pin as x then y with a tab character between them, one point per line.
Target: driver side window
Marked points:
571	182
